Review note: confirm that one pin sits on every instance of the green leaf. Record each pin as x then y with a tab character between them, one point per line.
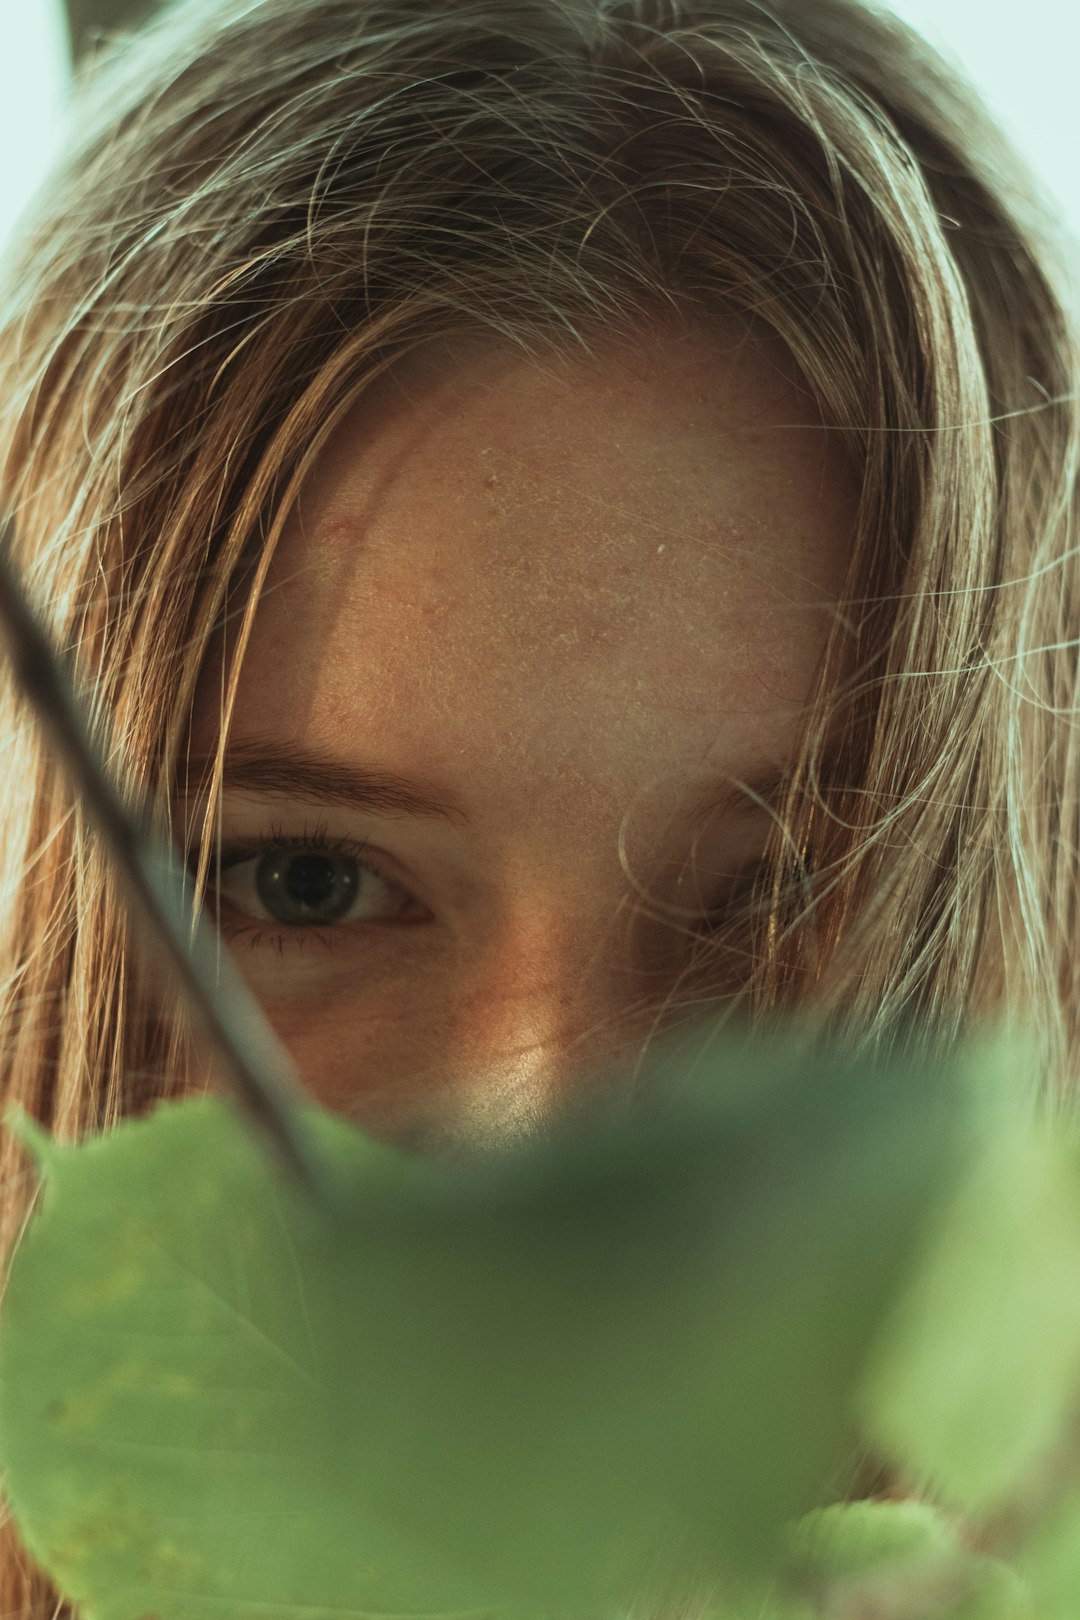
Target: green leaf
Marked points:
590	1370
849	1539
980	1364
902	1560
1050	1563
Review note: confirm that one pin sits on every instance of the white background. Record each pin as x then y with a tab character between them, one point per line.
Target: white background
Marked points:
34	73
1023	59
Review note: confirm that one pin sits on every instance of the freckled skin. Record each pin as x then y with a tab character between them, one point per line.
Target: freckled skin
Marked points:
568	592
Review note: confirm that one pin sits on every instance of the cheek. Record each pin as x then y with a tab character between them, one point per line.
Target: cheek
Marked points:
363	1050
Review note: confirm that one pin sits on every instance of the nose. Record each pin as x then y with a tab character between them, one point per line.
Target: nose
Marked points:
557	1013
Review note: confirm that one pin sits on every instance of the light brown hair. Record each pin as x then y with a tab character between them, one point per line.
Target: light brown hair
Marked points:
263	204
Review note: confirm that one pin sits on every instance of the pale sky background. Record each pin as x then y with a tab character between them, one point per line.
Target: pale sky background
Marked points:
1023	59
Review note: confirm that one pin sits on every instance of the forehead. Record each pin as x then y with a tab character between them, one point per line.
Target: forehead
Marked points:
599	561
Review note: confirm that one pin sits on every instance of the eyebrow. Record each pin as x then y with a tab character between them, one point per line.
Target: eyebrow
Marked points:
288	771
285	770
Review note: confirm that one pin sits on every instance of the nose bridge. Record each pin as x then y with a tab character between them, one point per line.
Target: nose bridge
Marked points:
558	1010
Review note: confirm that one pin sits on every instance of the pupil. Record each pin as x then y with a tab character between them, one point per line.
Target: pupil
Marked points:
298	889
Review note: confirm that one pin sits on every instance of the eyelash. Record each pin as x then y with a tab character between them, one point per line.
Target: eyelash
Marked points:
314	837
317	838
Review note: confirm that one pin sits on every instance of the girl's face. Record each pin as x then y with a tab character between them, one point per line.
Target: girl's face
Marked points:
525	627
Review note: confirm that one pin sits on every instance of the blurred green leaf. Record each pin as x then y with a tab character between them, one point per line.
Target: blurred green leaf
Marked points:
848	1539
1050	1563
574	1377
980	1364
901	1561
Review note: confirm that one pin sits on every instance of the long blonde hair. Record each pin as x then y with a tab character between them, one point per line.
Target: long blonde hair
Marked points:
263	203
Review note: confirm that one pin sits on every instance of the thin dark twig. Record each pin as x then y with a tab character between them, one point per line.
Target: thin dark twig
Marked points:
250	1056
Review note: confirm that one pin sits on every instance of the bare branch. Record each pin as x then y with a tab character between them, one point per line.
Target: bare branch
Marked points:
249	1054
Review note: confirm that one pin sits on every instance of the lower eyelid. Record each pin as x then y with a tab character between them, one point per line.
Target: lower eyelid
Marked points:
266	930
257	938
